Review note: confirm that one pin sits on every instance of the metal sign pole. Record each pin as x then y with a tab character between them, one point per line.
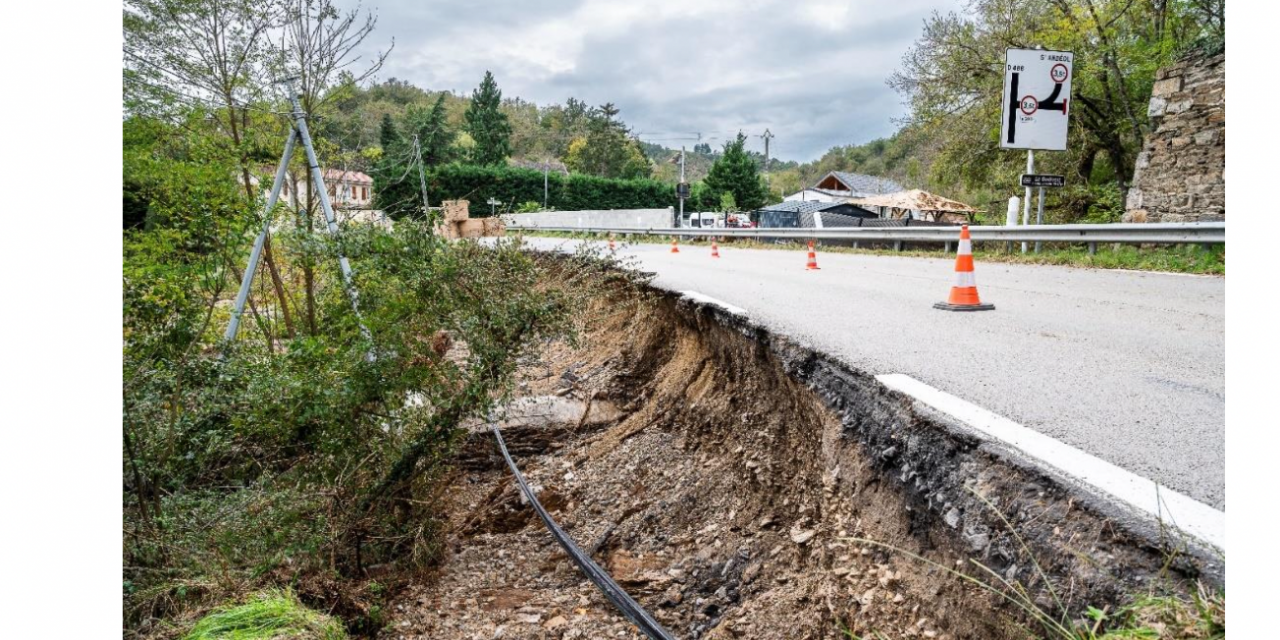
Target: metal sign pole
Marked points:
246	281
1026	201
300	122
1039	214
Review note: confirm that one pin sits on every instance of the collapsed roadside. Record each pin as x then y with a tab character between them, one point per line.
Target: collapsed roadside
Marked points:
740	485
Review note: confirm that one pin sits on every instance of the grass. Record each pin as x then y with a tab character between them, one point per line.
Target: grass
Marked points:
1175	259
269	615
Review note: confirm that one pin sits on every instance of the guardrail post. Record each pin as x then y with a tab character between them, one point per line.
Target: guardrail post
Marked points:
946	247
897	245
1093	248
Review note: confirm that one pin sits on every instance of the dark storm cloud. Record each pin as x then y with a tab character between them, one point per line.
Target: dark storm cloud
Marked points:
814	74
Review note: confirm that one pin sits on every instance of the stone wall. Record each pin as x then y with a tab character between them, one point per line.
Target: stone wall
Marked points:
1180	175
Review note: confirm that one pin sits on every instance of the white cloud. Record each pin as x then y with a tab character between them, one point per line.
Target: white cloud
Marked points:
812	72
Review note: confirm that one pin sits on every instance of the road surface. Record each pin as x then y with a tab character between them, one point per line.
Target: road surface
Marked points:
1127	366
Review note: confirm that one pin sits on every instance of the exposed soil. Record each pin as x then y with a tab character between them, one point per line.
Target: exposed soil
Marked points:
723	479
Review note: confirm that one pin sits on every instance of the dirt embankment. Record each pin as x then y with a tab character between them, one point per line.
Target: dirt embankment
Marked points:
728	480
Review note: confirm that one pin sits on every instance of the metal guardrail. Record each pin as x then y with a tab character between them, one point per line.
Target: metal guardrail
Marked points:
1140	233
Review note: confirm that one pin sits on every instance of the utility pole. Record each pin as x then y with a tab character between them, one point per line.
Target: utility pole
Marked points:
422	178
767	135
680	220
300	122
298	131
246	281
546	167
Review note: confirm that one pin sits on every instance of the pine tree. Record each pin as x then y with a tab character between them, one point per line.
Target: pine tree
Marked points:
736	173
488	125
434	135
393	192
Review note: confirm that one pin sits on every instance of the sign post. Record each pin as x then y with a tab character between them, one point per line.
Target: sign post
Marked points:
1034	108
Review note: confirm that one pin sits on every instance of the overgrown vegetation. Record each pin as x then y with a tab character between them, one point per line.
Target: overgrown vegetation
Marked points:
282	460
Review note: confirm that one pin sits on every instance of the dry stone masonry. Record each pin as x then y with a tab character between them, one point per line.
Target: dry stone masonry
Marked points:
1180	175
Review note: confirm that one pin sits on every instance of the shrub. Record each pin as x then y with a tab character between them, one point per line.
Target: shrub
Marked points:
514	185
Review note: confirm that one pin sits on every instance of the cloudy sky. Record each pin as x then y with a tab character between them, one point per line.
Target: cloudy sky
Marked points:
811	72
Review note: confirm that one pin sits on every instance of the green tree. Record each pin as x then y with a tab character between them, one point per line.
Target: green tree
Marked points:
727	203
735	172
434	135
395	189
389	136
487	124
606	150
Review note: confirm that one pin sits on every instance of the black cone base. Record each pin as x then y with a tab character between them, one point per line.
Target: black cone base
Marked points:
947	306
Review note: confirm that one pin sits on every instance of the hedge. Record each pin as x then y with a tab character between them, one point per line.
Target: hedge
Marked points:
512	186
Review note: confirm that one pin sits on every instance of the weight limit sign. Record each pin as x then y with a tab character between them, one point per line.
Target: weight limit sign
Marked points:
1035	106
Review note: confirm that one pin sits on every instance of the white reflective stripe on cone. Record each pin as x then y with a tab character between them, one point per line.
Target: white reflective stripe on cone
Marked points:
965	248
965	279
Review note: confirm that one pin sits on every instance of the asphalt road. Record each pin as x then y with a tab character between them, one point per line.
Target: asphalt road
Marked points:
1128	366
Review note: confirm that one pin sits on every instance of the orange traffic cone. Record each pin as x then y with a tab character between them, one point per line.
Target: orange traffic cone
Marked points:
813	259
611	245
964	295
675	247
715	249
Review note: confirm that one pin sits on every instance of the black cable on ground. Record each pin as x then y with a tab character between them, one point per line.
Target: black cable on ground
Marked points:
629	608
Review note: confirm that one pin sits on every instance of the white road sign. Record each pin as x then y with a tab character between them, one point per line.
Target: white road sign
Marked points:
1037	88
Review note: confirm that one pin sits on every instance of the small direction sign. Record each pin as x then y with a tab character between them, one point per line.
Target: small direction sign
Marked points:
1043	180
682	190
